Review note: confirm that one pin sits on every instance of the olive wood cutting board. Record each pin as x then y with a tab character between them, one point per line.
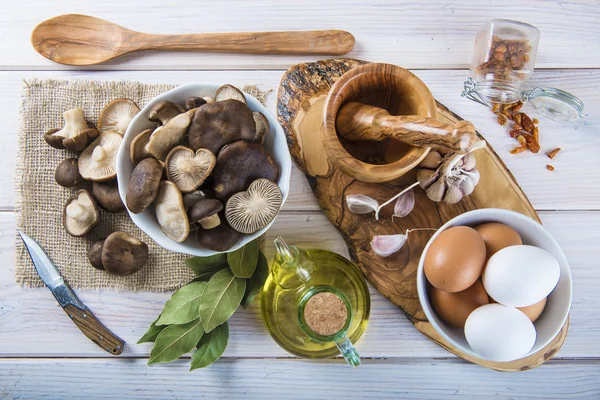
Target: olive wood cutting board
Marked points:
300	104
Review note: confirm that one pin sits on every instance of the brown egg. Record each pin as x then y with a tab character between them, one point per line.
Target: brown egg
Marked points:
534	311
455	259
498	236
454	308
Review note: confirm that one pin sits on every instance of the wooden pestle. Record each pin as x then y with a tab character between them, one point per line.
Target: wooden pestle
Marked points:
357	121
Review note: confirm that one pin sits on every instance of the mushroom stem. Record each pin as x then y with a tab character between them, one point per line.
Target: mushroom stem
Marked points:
210	222
98	154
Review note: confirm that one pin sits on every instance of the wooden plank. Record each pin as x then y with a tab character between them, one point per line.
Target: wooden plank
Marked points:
569	187
435	34
293	379
389	334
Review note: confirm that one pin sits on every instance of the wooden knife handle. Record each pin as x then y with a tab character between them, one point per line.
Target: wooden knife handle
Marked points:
356	121
94	330
334	42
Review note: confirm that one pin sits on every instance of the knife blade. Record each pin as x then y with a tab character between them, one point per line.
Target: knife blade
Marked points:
83	318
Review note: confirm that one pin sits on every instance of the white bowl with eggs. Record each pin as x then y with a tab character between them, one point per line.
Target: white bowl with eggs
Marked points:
558	303
275	143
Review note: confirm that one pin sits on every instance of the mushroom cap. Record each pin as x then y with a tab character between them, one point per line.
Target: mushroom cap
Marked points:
80	213
189	169
205	212
98	162
138	149
220	238
67	173
167	136
75	135
262	127
194	102
123	254
143	185
163	111
95	254
227	92
189	199
170	212
117	116
107	196
252	210
219	123
239	164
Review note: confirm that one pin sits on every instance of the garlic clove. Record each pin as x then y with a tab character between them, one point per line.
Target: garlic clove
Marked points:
361	204
436	191
454	194
404	204
471	179
432	160
426	177
386	245
468	162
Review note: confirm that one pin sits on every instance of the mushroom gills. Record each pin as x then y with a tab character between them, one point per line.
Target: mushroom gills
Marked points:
189	169
170	212
80	213
165	137
227	92
262	127
76	134
254	209
138	149
117	116
163	111
98	162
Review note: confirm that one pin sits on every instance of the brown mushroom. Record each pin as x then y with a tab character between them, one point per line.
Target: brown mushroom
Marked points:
169	135
95	254
107	195
117	116
252	210
206	213
170	212
163	111
80	213
75	135
194	102
189	199
143	185
217	124
262	127
239	164
123	254
67	173
227	92
138	149
221	238
189	169
98	162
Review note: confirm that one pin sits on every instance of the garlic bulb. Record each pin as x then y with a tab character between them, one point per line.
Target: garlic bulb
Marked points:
450	179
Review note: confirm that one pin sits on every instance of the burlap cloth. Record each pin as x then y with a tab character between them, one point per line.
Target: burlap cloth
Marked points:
40	199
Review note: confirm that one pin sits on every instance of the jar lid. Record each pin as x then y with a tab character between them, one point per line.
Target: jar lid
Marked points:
555	104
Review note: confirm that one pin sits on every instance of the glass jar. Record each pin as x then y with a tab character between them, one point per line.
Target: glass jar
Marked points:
503	61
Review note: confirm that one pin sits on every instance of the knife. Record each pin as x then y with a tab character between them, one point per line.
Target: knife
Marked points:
79	313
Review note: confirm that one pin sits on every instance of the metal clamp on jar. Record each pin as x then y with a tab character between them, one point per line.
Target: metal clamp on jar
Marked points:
503	60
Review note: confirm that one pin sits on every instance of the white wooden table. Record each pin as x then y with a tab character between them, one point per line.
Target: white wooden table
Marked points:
45	355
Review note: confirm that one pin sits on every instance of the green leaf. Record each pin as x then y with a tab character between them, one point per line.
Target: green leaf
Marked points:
200	265
221	297
211	347
256	282
205	276
152	332
183	306
243	261
176	340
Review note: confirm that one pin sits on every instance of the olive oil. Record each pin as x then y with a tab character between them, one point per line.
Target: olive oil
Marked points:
296	275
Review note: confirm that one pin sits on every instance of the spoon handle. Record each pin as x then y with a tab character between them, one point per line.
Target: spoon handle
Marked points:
335	42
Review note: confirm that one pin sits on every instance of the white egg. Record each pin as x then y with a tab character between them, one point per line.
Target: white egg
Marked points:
519	276
499	333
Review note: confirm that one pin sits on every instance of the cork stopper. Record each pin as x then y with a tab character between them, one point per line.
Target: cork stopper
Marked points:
325	314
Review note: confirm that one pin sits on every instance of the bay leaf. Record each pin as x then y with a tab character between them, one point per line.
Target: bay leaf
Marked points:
200	265
256	282
152	332
211	347
183	306
175	341
243	261
221	297
205	276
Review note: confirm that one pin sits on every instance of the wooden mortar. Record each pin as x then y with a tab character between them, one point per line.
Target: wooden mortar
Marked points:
385	86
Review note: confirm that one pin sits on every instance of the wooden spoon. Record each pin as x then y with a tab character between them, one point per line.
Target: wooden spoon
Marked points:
357	121
76	39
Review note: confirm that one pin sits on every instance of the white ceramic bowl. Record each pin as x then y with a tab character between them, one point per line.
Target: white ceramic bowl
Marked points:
532	233
146	221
